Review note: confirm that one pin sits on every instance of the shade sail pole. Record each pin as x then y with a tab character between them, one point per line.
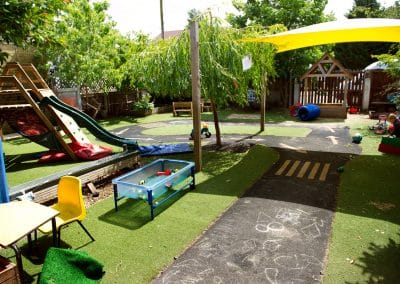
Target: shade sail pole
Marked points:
195	59
262	103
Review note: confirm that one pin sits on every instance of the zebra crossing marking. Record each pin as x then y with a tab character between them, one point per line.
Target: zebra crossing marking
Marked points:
314	170
289	168
303	169
282	168
324	172
293	168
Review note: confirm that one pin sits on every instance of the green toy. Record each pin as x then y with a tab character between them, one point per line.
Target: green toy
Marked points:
204	130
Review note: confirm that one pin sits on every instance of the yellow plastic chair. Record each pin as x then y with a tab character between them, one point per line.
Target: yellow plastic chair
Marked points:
70	205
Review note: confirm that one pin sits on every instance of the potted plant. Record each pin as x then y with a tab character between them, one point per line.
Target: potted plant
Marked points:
143	106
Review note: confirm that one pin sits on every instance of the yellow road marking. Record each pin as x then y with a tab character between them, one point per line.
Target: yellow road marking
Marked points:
314	171
282	168
303	169
293	168
324	172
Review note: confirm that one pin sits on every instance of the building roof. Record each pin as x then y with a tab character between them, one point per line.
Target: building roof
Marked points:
169	34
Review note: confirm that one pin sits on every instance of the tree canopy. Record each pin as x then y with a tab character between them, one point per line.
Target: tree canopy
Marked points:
164	67
89	49
275	14
356	56
25	22
292	14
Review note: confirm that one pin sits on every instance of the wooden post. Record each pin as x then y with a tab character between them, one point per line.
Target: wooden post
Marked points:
194	53
346	91
162	19
262	103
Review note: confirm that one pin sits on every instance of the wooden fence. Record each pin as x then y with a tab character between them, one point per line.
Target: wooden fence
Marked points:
331	90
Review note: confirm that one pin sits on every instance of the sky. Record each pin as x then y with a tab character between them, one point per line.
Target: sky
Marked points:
144	16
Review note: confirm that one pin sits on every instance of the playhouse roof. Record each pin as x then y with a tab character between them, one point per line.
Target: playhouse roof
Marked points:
348	30
327	66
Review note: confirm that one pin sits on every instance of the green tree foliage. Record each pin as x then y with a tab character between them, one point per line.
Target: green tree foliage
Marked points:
25	22
365	9
291	15
393	63
164	67
393	12
356	56
89	50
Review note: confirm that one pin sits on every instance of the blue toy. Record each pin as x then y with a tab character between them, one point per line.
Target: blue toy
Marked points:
357	138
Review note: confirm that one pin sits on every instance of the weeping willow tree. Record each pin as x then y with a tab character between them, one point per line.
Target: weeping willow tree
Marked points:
164	67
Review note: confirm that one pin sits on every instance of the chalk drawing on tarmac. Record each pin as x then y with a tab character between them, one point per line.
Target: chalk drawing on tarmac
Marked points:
188	271
271	275
270	227
311	230
272	245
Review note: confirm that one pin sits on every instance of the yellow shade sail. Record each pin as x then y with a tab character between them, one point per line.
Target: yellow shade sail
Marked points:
349	30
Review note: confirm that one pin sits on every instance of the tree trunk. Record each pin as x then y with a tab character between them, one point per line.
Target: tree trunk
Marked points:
216	124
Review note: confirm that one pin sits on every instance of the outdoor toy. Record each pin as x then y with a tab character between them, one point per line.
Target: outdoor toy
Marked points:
381	126
164	173
390	145
357	138
293	110
354	110
308	112
204	130
157	186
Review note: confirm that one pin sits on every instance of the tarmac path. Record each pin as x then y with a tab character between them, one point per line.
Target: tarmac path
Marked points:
278	232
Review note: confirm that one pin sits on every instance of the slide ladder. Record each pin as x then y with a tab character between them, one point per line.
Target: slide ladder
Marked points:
14	95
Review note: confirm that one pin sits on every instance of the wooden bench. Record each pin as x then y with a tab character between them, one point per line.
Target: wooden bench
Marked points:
182	107
206	106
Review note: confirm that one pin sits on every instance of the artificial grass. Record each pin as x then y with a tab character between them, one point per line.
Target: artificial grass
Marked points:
134	249
22	156
365	230
231	129
365	243
70	266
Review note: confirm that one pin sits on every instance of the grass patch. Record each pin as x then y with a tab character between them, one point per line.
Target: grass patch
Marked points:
134	249
365	236
21	156
182	129
364	246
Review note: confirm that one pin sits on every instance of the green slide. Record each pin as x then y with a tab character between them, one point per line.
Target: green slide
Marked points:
91	124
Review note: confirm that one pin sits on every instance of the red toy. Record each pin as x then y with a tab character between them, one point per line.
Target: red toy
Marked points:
164	173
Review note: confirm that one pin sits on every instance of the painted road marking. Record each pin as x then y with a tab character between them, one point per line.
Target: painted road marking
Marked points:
314	171
324	172
302	169
333	139
282	168
293	168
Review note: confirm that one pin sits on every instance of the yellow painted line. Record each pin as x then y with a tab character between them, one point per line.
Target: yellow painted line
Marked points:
303	169
282	168
293	169
314	171
324	172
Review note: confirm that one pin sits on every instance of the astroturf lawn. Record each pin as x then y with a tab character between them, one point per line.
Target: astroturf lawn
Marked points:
179	129
365	241
135	249
364	246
